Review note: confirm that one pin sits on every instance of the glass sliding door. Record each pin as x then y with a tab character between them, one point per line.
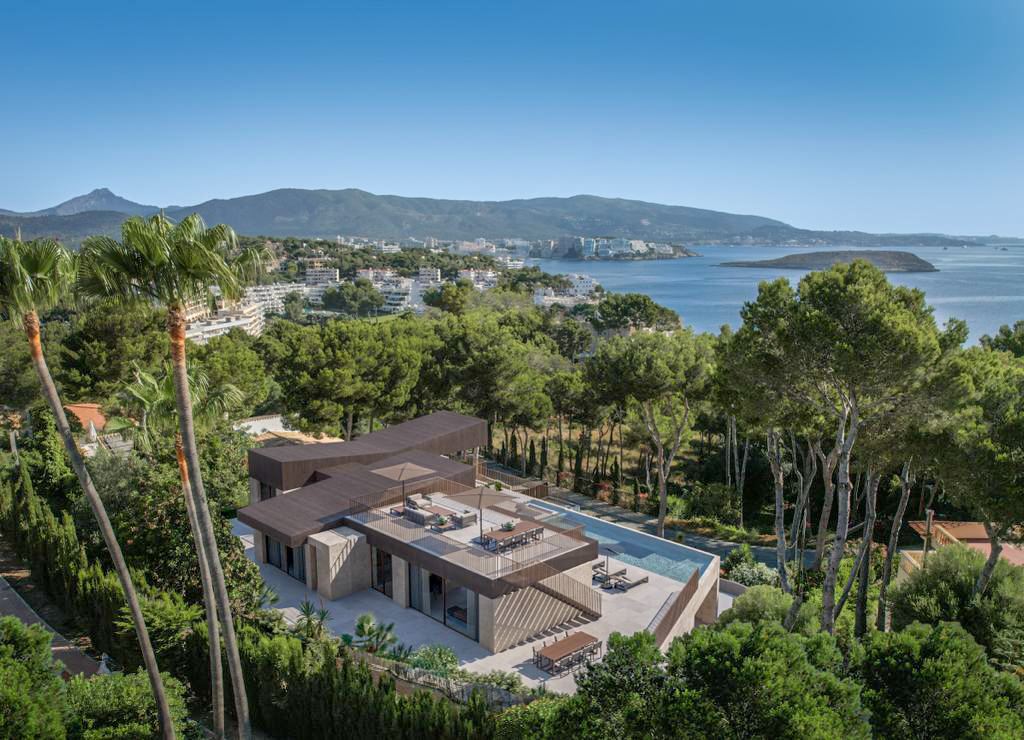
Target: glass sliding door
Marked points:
415	587
460	609
445	601
273	551
381	578
295	562
435	607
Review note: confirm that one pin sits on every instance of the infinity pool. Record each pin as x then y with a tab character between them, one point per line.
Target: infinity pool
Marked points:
643	550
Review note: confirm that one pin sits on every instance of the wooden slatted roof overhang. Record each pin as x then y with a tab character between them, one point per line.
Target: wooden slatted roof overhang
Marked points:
292	517
291	466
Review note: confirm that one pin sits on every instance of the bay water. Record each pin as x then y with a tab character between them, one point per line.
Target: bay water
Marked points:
984	285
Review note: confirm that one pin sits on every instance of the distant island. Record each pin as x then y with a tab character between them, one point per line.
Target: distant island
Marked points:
889	261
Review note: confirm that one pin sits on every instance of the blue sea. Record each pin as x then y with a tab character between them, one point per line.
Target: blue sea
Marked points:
982	285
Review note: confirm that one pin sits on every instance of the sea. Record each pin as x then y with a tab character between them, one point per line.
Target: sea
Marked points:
983	285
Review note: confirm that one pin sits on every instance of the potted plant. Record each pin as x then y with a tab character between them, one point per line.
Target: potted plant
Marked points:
508	526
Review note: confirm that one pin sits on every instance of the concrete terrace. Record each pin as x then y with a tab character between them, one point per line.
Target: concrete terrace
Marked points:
625	612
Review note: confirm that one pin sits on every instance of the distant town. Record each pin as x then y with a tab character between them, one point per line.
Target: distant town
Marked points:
399	277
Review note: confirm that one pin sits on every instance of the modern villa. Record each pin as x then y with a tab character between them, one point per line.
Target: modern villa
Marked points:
409	512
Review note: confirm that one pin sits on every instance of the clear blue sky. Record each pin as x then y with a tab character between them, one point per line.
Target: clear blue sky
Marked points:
903	115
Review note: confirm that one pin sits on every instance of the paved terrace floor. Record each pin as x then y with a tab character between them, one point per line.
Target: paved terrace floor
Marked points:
625	612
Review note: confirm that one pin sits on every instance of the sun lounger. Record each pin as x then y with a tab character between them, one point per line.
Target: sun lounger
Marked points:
625	584
605	577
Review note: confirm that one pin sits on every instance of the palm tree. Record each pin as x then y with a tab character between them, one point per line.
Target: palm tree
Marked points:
312	622
171	265
152	401
33	277
371	635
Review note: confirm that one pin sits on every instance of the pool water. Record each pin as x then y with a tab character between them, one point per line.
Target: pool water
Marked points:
666	558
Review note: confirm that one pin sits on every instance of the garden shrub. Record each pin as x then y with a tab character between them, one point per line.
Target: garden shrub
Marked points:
942	591
935	682
122	707
31	690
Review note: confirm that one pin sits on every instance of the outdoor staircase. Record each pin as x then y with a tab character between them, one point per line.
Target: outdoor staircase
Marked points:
527	612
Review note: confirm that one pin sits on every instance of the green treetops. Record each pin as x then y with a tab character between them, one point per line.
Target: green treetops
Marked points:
943	591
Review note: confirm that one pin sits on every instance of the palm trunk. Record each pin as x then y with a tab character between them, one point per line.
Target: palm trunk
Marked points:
12	437
209	601
183	396
31	324
882	620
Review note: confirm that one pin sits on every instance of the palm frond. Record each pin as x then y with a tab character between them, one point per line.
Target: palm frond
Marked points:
34	275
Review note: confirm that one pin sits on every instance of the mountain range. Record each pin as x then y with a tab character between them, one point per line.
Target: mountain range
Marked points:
352	212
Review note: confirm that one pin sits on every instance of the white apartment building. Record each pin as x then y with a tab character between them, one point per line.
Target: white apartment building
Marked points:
321	275
315	293
247	317
546	297
511	263
197	308
429	275
582	285
481	279
271	297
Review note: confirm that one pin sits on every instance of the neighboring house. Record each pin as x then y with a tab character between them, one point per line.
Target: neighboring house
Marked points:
93	422
91	418
971	534
398	511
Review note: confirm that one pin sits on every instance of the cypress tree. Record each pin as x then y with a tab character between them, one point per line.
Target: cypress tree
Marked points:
561	457
543	456
515	451
532	460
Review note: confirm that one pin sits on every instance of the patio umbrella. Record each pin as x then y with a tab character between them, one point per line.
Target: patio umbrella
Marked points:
609	551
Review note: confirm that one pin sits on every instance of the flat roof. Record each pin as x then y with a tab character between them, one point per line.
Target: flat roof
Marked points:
291	517
291	466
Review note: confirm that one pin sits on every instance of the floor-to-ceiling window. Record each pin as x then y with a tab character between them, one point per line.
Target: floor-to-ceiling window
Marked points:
295	562
273	551
381	578
416	587
443	600
292	560
460	605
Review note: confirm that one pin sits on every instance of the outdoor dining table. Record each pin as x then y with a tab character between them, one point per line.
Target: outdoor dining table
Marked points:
549	658
520	533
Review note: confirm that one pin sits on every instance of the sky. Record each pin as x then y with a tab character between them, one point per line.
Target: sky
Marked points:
903	115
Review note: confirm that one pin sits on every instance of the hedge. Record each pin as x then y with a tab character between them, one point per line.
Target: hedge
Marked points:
296	690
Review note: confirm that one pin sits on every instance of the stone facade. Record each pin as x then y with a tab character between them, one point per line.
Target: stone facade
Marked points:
338	562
